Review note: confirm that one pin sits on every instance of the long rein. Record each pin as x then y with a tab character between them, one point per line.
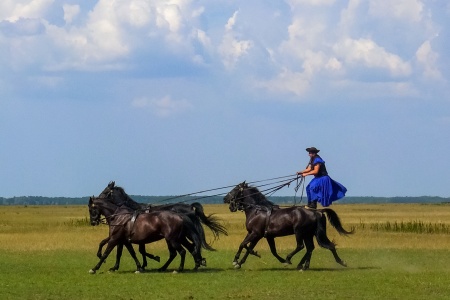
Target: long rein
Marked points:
272	190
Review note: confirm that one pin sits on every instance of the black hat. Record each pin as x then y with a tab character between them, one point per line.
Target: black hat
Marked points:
312	150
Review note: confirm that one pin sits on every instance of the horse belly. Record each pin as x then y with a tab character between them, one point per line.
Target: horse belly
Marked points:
280	227
145	230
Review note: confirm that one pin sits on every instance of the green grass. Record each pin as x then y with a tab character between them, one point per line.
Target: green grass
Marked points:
380	274
46	253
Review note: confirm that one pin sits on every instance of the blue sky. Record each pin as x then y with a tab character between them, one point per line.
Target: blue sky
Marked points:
174	97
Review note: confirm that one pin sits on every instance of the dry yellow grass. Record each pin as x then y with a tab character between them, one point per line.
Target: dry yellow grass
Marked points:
57	227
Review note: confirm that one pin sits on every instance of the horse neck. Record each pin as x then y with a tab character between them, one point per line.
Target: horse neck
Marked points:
107	209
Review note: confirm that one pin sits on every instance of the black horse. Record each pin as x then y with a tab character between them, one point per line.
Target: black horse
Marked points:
194	211
126	227
265	219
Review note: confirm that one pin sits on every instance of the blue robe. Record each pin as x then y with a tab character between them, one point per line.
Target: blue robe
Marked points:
324	189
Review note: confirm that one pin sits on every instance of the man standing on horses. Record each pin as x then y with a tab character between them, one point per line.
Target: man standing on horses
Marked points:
322	188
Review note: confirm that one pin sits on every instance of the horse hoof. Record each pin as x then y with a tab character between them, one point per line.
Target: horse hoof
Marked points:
237	266
175	272
343	263
91	271
235	263
203	263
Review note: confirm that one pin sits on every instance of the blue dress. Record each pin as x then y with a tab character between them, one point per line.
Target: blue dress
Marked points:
324	189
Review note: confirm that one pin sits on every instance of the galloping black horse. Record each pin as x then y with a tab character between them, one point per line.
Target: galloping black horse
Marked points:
194	211
125	227
264	219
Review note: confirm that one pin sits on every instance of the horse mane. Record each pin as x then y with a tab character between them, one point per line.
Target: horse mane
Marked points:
130	202
259	197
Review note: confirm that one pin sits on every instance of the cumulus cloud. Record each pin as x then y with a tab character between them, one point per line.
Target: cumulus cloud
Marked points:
162	107
367	53
70	12
427	58
13	10
406	10
311	42
231	48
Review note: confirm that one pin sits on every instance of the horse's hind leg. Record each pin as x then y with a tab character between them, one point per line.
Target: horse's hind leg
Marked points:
196	253
130	249
273	249
337	258
182	253
145	255
172	255
306	260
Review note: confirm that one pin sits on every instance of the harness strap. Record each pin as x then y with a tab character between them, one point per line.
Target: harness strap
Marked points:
131	223
269	213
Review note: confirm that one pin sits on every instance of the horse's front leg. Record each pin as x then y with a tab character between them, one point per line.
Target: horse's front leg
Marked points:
118	256
241	247
100	246
111	245
273	249
299	247
253	239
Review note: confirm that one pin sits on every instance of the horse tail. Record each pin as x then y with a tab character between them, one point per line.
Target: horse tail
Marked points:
321	233
211	221
334	220
190	231
198	228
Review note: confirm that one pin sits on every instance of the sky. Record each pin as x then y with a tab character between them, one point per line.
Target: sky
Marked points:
178	96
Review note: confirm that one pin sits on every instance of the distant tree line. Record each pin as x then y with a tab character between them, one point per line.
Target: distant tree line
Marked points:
39	200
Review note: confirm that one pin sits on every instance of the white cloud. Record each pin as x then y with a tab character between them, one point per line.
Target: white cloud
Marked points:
310	2
12	10
231	48
427	58
70	12
163	107
406	10
287	81
367	53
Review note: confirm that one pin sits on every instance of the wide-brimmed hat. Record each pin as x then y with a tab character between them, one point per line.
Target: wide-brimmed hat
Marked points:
312	150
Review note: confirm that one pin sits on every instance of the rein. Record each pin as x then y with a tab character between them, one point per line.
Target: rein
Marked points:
273	190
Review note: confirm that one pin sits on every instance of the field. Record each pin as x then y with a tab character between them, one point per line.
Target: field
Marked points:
399	251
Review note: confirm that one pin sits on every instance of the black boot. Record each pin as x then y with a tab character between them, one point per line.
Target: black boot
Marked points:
312	204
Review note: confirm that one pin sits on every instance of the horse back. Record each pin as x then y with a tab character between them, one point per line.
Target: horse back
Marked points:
286	221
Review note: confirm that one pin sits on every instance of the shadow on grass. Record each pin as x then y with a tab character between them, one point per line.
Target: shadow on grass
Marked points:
217	270
338	269
169	271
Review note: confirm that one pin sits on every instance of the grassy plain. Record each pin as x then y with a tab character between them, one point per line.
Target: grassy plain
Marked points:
399	251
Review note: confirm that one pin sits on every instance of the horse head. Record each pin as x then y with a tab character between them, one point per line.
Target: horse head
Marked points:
94	212
235	197
98	207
